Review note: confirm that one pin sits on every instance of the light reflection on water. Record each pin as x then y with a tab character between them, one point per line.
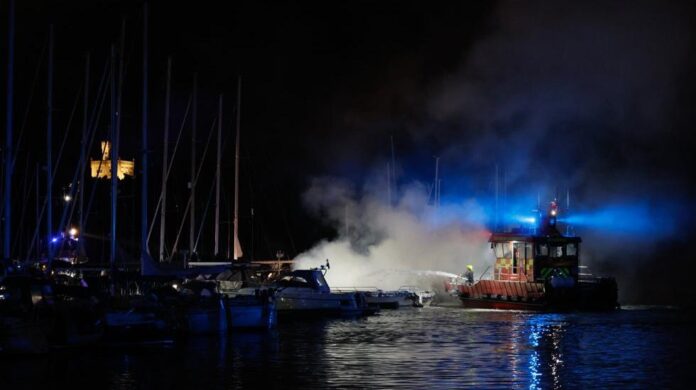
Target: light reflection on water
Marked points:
408	348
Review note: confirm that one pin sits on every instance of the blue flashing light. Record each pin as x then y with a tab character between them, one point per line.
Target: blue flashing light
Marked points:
528	220
54	239
523	219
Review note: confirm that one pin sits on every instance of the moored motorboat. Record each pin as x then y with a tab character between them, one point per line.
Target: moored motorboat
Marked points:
199	308
252	309
306	293
248	304
26	314
139	318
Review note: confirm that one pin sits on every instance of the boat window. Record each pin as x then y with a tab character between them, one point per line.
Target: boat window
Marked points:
557	251
499	250
528	253
571	250
296	279
507	250
542	250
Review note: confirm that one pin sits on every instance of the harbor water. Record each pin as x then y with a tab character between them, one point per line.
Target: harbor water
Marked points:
430	347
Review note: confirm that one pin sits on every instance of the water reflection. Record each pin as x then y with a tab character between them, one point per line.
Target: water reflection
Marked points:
419	348
545	353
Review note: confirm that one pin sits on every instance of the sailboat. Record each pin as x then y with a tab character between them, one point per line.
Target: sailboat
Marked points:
247	306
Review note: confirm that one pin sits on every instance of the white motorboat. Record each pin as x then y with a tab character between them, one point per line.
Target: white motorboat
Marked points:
306	292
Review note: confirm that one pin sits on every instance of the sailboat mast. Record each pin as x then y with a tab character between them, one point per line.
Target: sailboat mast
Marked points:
49	144
115	140
165	157
504	206
192	217
217	179
37	195
437	182
83	145
495	223
236	174
389	195
144	250
83	158
392	172
8	136
114	165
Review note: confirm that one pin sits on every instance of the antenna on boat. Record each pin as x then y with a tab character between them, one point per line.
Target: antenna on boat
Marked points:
495	221
569	228
504	208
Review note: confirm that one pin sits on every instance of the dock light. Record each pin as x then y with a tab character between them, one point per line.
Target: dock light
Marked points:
553	212
67	198
72	232
175	286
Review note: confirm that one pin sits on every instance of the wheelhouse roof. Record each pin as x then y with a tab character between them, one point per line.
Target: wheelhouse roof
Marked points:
517	236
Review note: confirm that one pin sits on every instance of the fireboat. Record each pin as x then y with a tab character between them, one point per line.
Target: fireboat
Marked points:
538	269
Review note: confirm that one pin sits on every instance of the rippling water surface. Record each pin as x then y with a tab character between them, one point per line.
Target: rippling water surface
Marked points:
431	347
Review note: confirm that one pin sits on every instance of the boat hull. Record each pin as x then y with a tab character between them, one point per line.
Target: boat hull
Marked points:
298	302
599	294
251	315
205	319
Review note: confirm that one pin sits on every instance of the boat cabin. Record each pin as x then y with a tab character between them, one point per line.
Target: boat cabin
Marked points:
537	255
313	279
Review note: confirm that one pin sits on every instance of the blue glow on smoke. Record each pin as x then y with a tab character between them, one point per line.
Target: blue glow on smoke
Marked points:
632	219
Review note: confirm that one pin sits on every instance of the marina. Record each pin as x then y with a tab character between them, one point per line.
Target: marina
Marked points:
346	195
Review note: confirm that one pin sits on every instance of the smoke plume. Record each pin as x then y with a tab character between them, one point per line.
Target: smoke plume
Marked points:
585	97
387	247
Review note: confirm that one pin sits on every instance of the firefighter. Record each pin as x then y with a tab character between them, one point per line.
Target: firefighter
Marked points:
469	274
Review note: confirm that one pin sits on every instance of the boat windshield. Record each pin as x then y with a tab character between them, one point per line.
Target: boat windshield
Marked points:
571	250
556	251
293	281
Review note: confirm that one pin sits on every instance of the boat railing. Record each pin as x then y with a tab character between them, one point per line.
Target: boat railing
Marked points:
355	289
586	276
515	274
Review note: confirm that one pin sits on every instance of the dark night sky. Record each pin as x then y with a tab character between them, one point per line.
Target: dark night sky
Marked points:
595	97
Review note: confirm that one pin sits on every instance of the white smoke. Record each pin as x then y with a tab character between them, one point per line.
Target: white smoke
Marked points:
410	243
